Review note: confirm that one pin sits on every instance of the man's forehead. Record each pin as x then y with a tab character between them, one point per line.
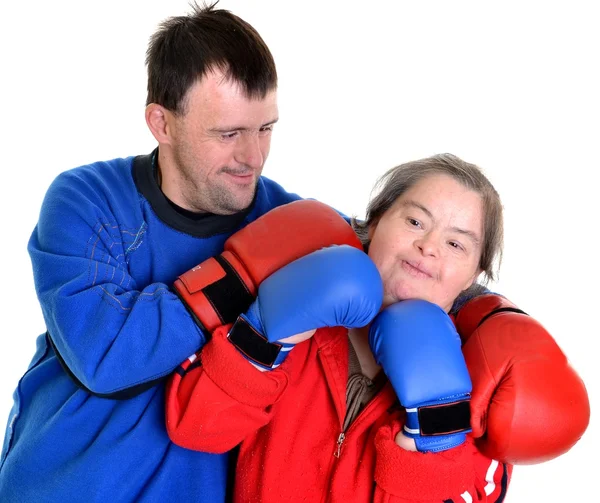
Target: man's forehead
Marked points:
219	83
225	104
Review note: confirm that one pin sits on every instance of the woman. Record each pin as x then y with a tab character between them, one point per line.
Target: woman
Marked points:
325	424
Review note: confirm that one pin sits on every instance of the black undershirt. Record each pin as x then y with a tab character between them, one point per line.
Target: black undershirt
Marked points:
201	225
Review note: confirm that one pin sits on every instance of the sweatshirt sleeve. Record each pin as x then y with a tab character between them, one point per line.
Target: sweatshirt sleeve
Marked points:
216	398
114	337
460	474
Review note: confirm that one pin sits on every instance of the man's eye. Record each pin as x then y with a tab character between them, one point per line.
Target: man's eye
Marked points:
413	222
229	136
266	129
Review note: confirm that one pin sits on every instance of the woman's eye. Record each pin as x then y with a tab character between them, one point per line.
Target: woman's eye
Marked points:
455	245
413	222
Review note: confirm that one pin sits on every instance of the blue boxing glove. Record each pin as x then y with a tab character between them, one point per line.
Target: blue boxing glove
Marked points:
335	286
417	345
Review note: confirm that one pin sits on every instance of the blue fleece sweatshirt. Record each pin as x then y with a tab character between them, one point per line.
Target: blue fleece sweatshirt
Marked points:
88	417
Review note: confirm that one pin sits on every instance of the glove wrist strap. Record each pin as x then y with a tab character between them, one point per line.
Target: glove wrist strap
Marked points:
255	347
439	418
214	293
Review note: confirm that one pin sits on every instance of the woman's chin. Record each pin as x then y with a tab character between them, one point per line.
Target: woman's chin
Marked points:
388	300
404	292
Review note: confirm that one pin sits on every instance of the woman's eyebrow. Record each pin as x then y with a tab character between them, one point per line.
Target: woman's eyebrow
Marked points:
415	204
470	234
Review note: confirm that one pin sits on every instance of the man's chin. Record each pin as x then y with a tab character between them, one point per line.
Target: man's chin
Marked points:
238	202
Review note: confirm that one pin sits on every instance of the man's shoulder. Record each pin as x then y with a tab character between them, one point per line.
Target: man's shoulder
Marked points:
274	195
274	189
102	177
101	185
98	172
271	194
475	290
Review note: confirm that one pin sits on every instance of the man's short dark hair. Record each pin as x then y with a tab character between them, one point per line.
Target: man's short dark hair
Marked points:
185	48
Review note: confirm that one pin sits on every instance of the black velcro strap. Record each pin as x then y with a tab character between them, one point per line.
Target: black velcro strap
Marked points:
501	310
252	344
229	296
445	419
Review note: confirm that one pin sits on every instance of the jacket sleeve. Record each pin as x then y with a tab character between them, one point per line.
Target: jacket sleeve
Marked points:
216	398
460	474
114	337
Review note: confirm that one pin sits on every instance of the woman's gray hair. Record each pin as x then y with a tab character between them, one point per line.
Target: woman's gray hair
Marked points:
398	180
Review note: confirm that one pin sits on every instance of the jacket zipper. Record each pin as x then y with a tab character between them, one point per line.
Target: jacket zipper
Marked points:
340	442
342	436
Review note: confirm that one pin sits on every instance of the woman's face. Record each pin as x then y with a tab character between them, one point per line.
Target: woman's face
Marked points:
428	244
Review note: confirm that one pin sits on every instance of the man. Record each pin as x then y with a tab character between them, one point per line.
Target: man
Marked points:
88	418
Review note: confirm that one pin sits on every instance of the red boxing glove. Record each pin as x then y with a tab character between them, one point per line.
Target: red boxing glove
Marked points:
528	405
221	288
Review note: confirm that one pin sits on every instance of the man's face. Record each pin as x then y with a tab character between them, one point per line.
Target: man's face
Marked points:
219	146
428	244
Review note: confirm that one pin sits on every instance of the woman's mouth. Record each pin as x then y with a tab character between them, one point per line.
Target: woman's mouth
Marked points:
415	269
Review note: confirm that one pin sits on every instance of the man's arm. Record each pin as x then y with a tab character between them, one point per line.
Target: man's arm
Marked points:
528	404
114	337
116	340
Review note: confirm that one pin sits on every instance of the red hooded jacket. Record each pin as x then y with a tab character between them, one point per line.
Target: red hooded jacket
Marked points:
289	424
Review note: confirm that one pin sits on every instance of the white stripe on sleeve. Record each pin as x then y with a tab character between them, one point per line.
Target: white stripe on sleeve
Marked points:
489	477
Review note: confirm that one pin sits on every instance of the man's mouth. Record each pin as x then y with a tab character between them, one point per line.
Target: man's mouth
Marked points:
242	176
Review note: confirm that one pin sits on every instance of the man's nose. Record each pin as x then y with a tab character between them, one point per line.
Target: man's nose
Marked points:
249	152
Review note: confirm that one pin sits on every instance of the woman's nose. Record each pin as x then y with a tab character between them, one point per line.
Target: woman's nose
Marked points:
428	245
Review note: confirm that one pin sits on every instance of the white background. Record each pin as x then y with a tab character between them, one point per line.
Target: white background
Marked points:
511	86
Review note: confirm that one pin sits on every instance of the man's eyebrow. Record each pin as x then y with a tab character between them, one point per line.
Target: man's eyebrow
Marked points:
470	234
240	128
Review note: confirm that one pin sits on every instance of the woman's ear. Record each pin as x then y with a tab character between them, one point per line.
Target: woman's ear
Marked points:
473	279
371	230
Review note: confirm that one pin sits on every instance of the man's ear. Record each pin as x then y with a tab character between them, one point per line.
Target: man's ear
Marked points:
159	120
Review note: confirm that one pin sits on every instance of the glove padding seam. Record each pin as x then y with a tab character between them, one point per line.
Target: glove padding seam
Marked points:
500	310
